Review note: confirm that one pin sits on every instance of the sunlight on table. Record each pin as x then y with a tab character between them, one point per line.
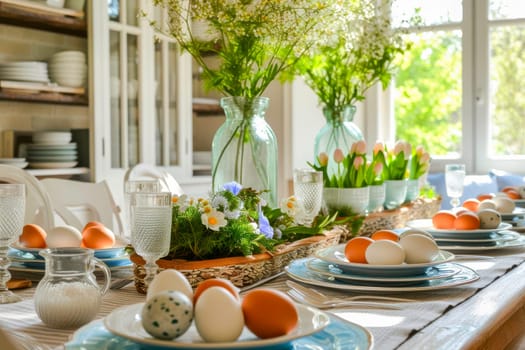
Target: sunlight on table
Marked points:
370	319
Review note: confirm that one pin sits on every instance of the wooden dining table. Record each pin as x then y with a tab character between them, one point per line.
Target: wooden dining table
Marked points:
486	314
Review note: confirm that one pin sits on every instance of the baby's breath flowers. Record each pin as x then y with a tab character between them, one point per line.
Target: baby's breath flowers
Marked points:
235	221
254	41
355	51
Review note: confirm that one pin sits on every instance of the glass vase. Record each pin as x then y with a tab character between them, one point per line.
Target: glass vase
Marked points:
244	148
338	132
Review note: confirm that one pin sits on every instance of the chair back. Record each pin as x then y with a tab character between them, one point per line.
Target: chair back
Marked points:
78	202
144	171
39	209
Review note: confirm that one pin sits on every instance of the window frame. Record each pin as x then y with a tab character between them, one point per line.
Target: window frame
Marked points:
475	98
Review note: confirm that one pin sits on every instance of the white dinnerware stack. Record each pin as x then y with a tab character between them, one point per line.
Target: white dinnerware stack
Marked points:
30	71
52	150
18	162
68	68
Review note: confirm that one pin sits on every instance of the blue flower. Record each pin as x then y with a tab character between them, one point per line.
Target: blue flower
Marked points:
233	187
264	225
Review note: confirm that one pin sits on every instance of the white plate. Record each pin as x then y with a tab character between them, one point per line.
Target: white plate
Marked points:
35	146
52	165
12	160
298	270
517	243
336	255
126	322
60	158
516	212
426	224
520	203
329	270
495	237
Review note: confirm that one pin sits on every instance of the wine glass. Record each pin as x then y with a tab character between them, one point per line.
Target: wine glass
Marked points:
12	209
308	188
150	228
132	186
454	178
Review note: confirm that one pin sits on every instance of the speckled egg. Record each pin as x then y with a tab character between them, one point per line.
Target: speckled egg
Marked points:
489	218
487	204
504	205
521	191
167	315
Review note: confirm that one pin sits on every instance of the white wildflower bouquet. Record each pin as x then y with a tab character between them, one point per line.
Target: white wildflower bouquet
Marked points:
355	50
236	221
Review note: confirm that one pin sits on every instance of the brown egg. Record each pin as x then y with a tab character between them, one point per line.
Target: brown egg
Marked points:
443	219
269	313
92	223
471	204
467	221
33	236
98	237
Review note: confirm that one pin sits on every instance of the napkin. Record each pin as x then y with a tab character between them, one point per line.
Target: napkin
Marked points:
18	283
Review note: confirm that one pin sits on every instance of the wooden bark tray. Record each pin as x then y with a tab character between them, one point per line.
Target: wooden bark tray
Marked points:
242	271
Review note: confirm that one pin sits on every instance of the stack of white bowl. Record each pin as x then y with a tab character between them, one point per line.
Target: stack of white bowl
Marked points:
68	68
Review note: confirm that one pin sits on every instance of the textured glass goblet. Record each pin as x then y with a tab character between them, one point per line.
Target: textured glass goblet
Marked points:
12	209
150	228
454	178
132	186
308	188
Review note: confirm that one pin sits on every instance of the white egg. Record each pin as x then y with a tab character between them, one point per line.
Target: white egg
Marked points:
419	249
489	218
504	205
169	279
63	236
167	315
487	204
218	315
416	231
384	252
521	191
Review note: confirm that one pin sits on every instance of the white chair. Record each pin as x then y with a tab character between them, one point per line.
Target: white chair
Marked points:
143	171
39	209
78	202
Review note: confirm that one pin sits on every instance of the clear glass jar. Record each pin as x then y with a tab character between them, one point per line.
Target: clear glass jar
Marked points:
338	132
244	148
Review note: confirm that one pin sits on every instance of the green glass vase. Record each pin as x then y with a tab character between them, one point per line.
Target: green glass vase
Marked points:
244	148
338	132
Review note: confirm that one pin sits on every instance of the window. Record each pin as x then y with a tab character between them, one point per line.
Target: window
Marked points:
459	90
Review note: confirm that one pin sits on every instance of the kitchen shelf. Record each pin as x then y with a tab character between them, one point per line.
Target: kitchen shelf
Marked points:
44	93
30	14
58	172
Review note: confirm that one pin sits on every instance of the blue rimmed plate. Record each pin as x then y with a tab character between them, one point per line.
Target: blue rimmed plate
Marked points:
299	271
331	271
106	253
337	335
336	255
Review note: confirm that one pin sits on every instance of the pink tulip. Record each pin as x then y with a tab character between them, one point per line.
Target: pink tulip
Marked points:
378	147
398	148
378	169
425	158
323	159
419	151
338	155
360	147
358	162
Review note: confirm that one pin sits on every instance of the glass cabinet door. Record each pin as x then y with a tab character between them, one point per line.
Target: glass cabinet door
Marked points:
125	61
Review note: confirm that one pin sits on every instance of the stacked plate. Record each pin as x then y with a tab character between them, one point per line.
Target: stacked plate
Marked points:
18	162
331	269
28	259
68	68
478	240
52	150
31	71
